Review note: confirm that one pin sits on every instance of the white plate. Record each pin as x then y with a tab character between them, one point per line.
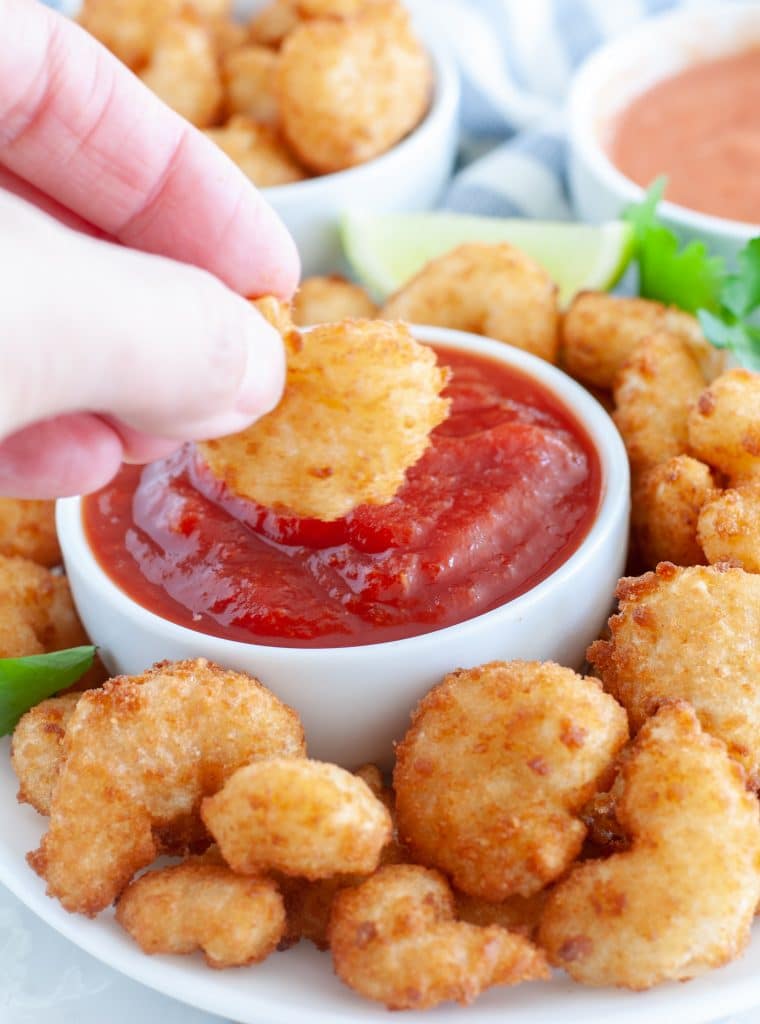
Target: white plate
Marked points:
298	987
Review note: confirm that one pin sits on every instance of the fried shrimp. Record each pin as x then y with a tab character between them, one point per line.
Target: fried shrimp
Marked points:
127	27
654	391
361	399
325	300
37	749
303	818
494	290
203	905
248	75
140	754
689	634
183	70
27	530
681	900
394	939
496	766
600	331
519	914
36	611
273	23
724	425
258	150
350	90
729	527
666	506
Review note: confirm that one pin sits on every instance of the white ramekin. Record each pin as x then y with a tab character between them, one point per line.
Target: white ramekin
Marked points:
355	701
622	69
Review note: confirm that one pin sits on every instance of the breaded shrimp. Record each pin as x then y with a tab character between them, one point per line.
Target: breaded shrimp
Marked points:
519	914
37	749
303	818
248	76
394	939
140	755
183	70
324	300
258	150
689	634
36	610
203	905
681	900
724	425
494	290
654	391
27	530
493	773
729	527
666	505
350	90
600	331
361	399
273	23
127	28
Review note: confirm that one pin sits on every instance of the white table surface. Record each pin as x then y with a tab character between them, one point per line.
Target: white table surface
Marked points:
44	979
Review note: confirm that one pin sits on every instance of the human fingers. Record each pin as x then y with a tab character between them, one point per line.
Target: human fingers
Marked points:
10	182
80	127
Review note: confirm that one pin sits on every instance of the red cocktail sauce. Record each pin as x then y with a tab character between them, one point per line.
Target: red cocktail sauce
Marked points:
504	495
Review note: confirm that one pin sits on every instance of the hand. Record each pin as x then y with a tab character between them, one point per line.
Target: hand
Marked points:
108	354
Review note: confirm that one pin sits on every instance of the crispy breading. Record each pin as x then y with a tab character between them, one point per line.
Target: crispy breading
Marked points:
361	399
248	75
303	818
27	530
689	634
127	27
36	611
520	914
259	151
273	23
351	89
666	505
324	300
201	905
183	69
140	754
654	390
394	939
600	331
681	900
492	775
495	290
37	749
729	527
724	425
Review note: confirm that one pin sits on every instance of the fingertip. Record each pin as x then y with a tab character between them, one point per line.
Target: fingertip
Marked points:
264	375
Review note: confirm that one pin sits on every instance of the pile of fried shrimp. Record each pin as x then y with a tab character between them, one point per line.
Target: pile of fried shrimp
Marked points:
307	87
604	824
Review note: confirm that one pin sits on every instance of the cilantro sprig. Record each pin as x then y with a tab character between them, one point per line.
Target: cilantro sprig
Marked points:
24	682
688	276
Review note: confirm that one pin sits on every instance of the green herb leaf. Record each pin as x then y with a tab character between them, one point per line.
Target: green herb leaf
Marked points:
741	292
24	682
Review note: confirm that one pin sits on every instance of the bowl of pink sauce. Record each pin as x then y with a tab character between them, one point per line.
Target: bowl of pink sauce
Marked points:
679	96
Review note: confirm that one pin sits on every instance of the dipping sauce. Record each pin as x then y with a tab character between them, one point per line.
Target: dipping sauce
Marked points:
702	129
505	493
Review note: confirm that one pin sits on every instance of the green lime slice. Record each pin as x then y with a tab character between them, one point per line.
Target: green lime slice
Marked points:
386	250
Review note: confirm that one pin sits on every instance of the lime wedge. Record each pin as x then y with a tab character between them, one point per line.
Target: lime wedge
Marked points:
386	250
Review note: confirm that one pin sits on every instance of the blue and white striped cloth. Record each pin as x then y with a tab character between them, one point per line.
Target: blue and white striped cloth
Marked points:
517	58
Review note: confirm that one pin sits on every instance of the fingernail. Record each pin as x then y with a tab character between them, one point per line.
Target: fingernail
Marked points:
264	376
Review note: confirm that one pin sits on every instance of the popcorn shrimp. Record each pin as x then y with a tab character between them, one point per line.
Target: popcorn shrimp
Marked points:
37	614
681	900
248	75
729	527
724	425
140	755
27	530
37	749
689	634
494	290
492	775
324	300
258	150
394	939
183	70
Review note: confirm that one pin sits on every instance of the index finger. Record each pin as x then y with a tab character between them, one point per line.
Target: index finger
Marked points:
76	124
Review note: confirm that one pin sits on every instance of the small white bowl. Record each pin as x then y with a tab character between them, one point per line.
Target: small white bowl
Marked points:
355	701
624	68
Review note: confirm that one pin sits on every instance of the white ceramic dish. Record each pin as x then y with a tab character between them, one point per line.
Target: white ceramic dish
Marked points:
355	701
618	72
298	987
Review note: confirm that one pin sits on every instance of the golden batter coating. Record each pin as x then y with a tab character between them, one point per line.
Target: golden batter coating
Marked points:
724	425
729	527
325	300
37	614
27	530
37	749
183	69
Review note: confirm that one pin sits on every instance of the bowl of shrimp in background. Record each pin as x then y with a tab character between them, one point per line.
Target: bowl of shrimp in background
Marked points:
324	104
354	700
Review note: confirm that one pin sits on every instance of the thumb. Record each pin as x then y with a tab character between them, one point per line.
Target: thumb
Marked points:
89	326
